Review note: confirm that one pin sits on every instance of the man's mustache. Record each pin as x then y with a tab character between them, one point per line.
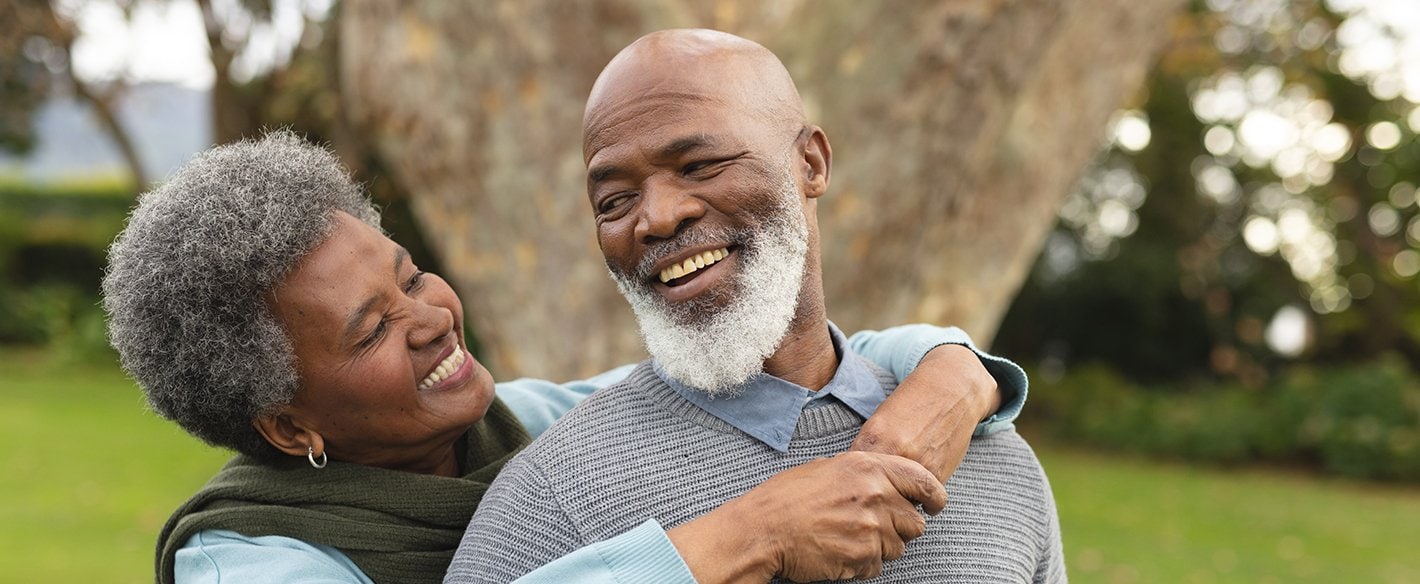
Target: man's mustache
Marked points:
690	238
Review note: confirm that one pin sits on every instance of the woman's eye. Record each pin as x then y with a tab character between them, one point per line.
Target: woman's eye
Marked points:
374	336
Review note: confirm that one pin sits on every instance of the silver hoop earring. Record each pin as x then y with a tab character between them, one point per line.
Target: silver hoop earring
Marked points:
311	456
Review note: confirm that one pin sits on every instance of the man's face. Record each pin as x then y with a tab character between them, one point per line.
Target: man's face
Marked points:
701	221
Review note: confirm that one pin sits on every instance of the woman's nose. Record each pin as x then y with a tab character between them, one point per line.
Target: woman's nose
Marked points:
431	324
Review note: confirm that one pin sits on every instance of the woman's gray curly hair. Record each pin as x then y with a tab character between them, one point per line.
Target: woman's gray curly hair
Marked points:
188	280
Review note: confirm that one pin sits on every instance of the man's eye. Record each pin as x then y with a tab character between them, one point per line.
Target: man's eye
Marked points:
614	202
415	281
701	168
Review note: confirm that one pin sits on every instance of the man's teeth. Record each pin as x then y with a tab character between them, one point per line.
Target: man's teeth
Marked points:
694	263
445	369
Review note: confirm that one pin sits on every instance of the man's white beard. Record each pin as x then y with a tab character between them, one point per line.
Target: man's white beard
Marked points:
715	349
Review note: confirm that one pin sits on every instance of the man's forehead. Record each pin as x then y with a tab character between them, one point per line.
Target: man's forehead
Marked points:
655	121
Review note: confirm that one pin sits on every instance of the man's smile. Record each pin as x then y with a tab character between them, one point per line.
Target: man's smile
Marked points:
679	272
691	275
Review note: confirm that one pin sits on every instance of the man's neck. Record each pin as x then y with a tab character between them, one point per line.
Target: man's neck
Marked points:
806	357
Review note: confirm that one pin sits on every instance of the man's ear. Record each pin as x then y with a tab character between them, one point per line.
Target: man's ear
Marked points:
288	436
818	162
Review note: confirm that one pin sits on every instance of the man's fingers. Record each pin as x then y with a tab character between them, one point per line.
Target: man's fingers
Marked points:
895	543
868	571
907	525
915	483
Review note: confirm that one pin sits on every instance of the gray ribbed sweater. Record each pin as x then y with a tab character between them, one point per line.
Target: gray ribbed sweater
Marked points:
637	450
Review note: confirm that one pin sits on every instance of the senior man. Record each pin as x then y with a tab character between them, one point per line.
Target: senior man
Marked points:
704	177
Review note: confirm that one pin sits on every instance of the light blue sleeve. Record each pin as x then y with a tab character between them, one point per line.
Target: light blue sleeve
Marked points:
521	533
217	556
899	349
643	555
538	403
214	556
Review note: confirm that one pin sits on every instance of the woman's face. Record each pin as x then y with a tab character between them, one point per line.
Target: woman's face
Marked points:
385	377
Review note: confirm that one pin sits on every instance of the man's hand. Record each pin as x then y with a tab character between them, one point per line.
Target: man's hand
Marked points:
931	415
831	519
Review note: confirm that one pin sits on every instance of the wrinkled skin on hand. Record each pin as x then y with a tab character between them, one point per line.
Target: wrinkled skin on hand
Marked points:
842	517
932	414
830	519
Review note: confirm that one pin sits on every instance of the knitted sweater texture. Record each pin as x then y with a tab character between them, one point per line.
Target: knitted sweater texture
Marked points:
638	450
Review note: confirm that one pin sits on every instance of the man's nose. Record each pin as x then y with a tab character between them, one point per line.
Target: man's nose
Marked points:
666	209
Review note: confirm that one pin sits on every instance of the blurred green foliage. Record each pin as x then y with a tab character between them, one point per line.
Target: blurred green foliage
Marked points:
1253	121
54	242
53	245
1360	420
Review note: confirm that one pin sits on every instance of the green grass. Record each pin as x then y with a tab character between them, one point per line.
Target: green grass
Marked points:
92	476
1126	520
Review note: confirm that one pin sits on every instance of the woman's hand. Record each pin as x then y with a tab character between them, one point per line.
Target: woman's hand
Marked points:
831	519
932	414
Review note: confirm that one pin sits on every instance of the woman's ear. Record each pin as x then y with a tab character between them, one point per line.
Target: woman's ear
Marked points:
288	436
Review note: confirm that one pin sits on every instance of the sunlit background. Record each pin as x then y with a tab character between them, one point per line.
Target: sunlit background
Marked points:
1223	330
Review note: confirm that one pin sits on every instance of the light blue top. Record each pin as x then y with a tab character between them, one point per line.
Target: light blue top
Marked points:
643	554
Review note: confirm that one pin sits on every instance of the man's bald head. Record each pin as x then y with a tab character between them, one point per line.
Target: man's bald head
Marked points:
688	68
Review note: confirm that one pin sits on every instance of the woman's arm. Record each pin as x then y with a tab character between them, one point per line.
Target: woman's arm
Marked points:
949	390
538	403
922	420
830	519
215	556
644	554
930	417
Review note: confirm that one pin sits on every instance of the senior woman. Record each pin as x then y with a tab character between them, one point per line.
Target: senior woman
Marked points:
258	305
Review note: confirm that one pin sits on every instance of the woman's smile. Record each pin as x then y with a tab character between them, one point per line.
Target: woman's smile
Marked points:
455	369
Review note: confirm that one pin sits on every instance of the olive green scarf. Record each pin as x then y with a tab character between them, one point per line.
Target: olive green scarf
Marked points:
396	526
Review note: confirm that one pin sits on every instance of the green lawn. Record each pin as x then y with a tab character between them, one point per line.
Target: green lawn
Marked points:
92	476
1129	520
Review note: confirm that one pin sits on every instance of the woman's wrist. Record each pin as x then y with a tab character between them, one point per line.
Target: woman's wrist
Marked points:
725	546
983	393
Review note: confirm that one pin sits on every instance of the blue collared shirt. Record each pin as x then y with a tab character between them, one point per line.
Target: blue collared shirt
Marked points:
767	407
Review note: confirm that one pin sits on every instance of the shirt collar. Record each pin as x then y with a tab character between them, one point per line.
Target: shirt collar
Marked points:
767	407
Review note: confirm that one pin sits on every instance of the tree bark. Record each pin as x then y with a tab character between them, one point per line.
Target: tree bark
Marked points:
958	127
231	114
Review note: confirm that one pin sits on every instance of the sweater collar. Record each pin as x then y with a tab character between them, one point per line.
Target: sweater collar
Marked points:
767	408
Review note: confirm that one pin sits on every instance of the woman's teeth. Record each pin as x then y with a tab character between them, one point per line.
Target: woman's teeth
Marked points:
445	369
693	263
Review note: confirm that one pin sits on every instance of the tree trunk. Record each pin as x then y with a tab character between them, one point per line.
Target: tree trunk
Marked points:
958	127
63	33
